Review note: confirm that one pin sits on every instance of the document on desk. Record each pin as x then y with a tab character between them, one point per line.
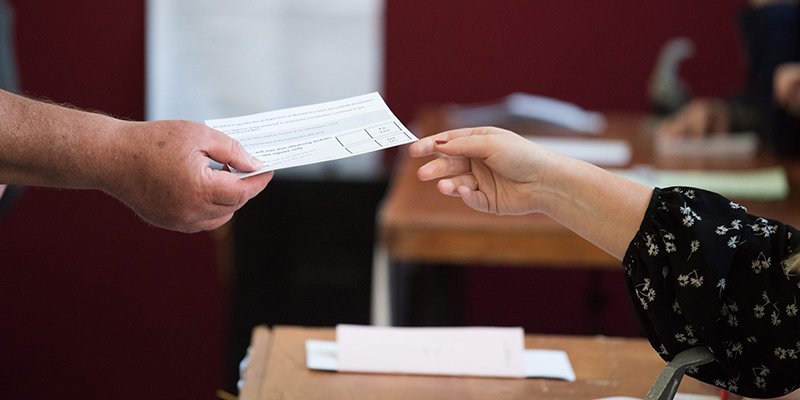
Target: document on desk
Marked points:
316	133
601	152
678	396
765	184
468	351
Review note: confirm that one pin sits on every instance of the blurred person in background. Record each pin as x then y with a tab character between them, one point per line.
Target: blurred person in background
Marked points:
787	88
771	34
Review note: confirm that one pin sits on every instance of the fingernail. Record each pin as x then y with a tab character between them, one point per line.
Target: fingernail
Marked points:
257	163
441	142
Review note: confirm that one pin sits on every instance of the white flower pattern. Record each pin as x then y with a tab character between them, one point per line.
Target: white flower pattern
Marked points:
693	247
687	337
693	277
733	350
762	228
761	263
729	310
689	216
761	373
645	293
756	305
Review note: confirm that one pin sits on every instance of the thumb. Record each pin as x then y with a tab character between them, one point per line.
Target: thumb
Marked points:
225	150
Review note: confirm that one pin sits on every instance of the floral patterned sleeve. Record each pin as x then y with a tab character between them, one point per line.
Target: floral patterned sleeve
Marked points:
701	271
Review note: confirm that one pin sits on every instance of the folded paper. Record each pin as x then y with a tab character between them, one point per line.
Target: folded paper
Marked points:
471	351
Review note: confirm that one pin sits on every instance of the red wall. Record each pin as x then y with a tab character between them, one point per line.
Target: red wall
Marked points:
596	53
88	52
95	304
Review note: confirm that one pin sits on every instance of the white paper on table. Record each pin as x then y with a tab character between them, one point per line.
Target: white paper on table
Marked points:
496	352
766	184
678	396
692	396
603	152
540	363
739	145
523	105
315	133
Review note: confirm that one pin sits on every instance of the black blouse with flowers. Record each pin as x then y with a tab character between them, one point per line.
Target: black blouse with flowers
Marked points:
701	271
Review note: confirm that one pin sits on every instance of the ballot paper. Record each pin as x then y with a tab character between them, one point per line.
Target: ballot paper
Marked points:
469	351
316	133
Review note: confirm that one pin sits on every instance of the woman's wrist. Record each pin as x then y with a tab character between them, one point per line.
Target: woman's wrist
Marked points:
603	208
555	182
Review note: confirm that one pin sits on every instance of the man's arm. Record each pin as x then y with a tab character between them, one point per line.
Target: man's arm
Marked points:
159	169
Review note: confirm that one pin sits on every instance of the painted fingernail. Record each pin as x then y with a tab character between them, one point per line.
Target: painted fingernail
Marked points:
441	142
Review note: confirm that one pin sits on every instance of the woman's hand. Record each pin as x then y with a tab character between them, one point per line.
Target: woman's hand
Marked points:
500	172
492	169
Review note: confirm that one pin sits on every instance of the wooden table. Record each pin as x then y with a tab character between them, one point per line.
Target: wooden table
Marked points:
603	366
417	224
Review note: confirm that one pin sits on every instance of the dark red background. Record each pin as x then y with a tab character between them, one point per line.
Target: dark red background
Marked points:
596	53
95	304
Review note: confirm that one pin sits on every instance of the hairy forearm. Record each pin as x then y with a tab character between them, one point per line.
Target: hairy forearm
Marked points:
48	145
601	207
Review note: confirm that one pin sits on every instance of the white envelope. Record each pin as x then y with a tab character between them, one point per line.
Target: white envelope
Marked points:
494	352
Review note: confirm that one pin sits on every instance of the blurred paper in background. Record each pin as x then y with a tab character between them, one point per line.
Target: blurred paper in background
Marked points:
529	106
212	59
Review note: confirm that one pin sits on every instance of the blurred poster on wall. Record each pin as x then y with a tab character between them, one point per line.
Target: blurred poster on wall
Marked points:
209	59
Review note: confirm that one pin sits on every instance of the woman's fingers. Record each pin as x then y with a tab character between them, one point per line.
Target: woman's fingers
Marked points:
427	145
458	153
451	186
443	166
475	199
477	147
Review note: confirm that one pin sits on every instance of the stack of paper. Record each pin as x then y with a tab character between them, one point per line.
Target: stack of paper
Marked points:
730	145
522	105
602	152
470	351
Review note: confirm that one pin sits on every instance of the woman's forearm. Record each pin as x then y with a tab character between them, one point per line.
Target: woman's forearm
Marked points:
602	207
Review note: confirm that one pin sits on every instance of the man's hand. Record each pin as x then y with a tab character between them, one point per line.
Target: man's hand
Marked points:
699	118
786	85
161	170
